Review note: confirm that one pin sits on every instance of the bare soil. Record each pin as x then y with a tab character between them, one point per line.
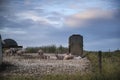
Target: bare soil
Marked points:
31	64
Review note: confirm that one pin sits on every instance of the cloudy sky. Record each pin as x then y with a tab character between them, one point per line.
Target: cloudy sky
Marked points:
48	22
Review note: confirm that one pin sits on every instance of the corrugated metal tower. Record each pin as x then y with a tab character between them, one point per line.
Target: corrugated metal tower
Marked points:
76	44
0	50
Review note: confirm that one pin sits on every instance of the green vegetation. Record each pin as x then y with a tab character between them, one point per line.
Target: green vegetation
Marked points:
47	49
110	70
110	65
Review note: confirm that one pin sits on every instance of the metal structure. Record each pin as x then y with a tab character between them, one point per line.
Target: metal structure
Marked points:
76	44
7	43
10	43
0	50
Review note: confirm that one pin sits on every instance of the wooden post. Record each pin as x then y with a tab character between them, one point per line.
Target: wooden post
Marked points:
100	61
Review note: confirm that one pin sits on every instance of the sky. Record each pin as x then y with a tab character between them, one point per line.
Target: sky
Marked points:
34	23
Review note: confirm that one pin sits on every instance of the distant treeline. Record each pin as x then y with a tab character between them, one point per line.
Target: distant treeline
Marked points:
60	49
48	49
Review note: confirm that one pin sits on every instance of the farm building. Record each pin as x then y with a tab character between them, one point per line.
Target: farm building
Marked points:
76	44
0	50
7	43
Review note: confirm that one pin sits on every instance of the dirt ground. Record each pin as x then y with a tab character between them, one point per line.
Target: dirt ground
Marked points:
31	64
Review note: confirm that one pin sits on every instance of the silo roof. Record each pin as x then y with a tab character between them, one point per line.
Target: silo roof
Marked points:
9	43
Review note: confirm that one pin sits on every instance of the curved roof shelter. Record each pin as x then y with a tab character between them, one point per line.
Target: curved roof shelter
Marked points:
7	43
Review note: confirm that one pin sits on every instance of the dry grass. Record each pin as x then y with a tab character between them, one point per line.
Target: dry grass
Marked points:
110	70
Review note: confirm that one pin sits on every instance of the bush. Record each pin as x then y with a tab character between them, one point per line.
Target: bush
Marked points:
47	49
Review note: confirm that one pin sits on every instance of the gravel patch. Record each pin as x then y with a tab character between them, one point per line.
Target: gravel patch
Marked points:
36	66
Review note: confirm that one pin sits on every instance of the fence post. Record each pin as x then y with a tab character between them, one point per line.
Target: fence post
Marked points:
100	61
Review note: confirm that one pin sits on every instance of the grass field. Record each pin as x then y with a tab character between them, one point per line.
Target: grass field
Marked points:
110	70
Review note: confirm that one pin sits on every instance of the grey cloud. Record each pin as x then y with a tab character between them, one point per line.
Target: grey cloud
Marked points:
98	32
3	5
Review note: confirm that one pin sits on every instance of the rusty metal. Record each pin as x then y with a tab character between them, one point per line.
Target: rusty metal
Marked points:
76	44
0	50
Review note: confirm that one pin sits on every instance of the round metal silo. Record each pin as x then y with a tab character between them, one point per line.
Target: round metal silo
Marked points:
0	50
76	44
